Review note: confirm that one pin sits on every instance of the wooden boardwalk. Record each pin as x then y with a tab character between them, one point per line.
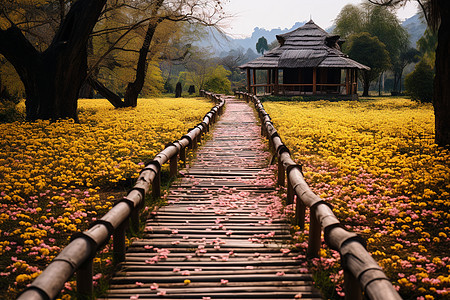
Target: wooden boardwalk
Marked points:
221	236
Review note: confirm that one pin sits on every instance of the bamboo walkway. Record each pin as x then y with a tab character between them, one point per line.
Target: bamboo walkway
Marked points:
221	236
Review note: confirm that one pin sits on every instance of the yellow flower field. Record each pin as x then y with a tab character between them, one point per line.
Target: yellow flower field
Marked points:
376	162
56	178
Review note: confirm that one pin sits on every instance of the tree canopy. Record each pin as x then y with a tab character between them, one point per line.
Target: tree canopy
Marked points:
370	51
262	45
379	22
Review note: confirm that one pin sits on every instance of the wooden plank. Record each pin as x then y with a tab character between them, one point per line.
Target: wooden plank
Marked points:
219	225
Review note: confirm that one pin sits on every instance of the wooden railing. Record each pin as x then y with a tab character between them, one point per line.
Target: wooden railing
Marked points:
78	255
362	274
304	88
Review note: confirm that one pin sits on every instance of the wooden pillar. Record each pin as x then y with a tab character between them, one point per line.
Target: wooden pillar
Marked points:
267	89
248	81
315	231
314	80
119	243
276	82
156	186
352	286
254	81
355	76
347	79
85	288
281	173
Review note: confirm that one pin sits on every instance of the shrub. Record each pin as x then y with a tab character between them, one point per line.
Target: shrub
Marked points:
419	83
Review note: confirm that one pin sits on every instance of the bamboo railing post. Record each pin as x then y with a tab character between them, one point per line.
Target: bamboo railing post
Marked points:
156	186
85	288
315	231
290	193
300	213
119	243
183	155
281	172
195	143
174	166
352	288
134	217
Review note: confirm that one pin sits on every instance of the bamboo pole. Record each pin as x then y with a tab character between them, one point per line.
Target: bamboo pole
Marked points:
361	268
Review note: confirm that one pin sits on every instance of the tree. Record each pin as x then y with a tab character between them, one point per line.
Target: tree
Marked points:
407	56
53	74
162	11
419	83
261	45
218	81
370	51
351	20
437	15
53	77
382	23
427	45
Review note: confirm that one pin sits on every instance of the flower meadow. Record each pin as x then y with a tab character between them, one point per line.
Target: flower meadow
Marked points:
376	163
57	178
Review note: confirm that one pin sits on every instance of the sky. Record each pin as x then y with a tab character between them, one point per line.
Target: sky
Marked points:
269	14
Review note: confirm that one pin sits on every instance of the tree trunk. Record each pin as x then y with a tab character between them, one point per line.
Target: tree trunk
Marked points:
441	96
53	78
135	87
112	97
366	84
86	90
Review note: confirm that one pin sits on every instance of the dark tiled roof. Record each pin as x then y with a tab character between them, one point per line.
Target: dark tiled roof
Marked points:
307	46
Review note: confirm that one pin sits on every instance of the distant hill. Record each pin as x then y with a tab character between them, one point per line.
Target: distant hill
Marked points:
220	45
270	35
415	27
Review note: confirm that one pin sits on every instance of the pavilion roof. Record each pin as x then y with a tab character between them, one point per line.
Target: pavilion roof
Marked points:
306	46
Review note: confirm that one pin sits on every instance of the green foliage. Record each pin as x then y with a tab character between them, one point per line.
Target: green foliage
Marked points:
218	81
205	74
427	45
380	22
369	51
419	83
349	21
262	45
384	24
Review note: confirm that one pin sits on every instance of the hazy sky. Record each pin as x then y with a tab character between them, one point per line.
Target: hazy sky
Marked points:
269	14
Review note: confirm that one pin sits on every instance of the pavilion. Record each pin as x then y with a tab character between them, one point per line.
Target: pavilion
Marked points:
308	61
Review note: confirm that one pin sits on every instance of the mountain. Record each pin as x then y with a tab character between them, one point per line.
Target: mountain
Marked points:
220	44
415	27
270	35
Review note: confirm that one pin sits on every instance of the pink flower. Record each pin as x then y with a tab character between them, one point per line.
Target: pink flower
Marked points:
154	286
223	281
139	283
280	274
